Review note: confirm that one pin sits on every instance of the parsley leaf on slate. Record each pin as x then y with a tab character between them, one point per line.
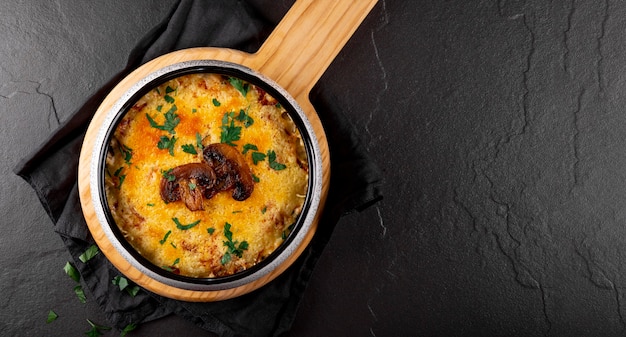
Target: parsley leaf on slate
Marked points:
89	253
96	329
52	316
130	327
72	272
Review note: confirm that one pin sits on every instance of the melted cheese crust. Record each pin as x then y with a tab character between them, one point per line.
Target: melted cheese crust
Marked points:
135	165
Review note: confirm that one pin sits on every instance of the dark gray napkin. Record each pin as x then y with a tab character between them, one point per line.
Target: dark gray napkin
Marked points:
270	310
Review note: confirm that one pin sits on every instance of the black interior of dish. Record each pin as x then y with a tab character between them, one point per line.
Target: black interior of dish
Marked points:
227	71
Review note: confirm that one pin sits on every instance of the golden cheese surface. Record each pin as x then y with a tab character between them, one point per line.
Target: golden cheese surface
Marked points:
162	131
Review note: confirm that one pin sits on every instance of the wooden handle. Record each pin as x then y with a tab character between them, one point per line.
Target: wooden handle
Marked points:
306	41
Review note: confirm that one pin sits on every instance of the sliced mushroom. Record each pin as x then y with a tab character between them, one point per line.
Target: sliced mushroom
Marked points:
231	170
190	182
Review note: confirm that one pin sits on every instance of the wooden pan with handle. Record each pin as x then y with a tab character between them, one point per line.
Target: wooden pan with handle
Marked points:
294	56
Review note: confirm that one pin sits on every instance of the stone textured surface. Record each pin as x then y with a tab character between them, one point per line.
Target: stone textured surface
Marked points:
499	124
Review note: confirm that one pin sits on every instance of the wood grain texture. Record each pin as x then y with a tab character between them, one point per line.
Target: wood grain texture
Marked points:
295	55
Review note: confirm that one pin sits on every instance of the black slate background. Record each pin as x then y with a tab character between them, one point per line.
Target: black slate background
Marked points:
500	126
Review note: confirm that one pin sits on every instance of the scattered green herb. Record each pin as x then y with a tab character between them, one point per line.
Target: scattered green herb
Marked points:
127	153
150	205
171	121
72	272
199	141
194	110
192	186
173	245
169	90
157	90
169	99
271	157
184	227
257	157
162	241
263	210
96	330
120	281
240	85
255	179
167	174
188	148
245	118
125	285
210	230
166	143
52	316
230	132
80	293
130	327
89	253
248	147
233	247
216	102
159	108
236	212
278	105
176	261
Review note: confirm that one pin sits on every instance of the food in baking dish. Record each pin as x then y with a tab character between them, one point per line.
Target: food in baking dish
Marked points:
205	175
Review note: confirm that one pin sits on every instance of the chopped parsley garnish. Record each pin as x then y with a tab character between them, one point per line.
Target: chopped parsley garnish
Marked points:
189	148
256	179
159	108
271	157
184	227
52	316
173	245
169	99
216	102
167	174
89	253
166	143
263	210
257	157
176	261
194	110
240	85
248	147
230	132
169	90
210	230
119	176
245	118
192	186
127	153
171	121
162	241
150	204
199	141
233	247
